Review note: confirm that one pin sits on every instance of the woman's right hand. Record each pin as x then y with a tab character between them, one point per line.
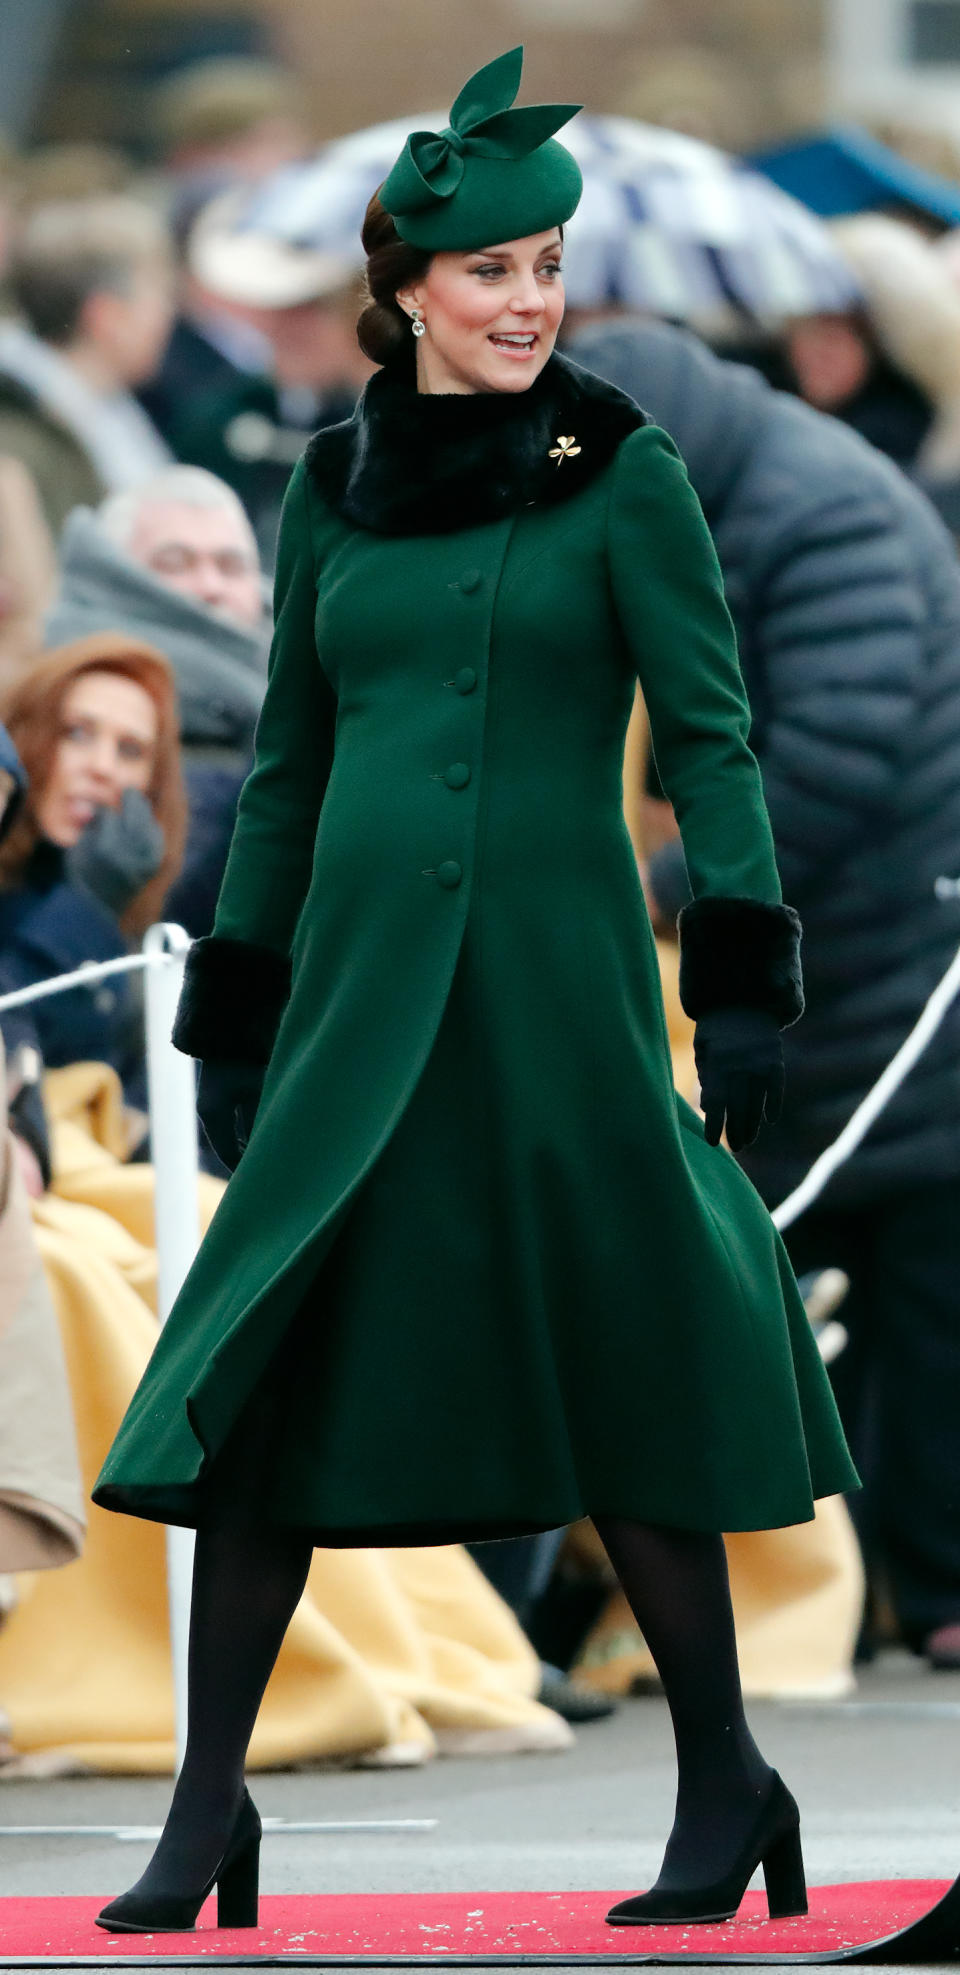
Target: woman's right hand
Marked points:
228	1094
119	852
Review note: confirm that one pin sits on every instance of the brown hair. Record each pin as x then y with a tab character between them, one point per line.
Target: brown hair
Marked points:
32	711
71	249
391	264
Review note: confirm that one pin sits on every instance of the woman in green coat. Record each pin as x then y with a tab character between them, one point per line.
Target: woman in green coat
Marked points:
479	1271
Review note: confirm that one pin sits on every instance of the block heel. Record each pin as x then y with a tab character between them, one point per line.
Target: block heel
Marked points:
784	1877
238	1886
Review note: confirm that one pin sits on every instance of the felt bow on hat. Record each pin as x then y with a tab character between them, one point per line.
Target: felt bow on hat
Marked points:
435	166
482	125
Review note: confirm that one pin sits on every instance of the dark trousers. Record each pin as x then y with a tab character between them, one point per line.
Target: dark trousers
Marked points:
898	1386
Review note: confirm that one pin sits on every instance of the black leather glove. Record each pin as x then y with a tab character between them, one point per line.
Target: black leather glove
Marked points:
228	1094
739	1059
119	852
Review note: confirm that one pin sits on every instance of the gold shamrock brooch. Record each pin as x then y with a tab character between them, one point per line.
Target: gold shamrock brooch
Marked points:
564	449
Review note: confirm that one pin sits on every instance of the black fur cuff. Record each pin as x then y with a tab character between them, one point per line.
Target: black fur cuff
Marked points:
740	953
232	999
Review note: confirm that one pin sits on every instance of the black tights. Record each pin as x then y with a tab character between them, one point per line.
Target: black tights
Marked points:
676	1584
248	1579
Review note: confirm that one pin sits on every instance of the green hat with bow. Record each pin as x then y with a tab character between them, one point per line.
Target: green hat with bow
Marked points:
494	174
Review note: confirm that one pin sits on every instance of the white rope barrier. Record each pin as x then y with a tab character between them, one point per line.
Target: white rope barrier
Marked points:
92	970
870	1107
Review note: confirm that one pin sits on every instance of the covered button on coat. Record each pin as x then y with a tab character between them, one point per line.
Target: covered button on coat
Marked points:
477	1252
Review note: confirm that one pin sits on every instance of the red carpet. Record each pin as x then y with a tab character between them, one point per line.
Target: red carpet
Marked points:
462	1927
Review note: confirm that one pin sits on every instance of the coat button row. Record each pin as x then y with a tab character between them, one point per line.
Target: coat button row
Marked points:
457	775
449	874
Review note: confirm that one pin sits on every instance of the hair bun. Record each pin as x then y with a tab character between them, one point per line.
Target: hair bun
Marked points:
392	264
379	333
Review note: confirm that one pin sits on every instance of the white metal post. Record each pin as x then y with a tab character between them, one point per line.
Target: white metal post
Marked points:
171	1087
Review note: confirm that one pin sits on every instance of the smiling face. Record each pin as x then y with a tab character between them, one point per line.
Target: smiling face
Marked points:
490	318
107	743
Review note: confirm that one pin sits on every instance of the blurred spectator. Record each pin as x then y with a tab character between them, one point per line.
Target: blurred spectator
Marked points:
93	282
23	1106
845	590
99	839
190	530
694	90
10	168
41	1497
54	172
922	144
212	347
42	1508
13	783
174	563
300	305
31	1143
227	119
892	369
705	93
28	570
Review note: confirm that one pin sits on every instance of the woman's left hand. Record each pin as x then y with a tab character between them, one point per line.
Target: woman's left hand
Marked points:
739	1057
228	1096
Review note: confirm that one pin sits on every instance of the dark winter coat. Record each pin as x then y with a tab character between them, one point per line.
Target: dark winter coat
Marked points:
11	764
49	926
192	372
250	436
63	472
17	1024
517	1284
845	592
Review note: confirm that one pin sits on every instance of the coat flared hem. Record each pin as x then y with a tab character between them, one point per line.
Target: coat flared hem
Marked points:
186	1508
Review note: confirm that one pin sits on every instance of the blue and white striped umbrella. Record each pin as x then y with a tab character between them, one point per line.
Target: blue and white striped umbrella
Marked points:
666	224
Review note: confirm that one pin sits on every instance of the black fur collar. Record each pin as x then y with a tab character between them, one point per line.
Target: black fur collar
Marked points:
408	463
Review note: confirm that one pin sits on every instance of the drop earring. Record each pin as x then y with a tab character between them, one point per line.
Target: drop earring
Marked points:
417	323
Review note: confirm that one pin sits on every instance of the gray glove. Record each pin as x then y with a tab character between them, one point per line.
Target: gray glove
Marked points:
118	853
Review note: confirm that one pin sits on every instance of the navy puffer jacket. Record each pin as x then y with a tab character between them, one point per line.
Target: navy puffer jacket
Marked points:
845	590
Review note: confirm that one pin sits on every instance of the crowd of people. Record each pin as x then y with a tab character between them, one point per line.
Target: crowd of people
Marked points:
159	377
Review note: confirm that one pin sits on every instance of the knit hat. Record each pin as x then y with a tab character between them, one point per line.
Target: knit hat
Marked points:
495	173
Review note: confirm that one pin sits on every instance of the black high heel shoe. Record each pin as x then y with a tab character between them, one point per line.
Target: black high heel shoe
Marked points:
774	1843
237	1880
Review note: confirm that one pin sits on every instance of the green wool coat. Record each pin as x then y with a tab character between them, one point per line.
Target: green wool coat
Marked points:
478	1270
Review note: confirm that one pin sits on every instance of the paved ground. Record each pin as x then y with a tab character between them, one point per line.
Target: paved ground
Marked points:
878	1779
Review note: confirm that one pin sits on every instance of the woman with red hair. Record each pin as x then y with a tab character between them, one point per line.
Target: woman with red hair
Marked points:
98	841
